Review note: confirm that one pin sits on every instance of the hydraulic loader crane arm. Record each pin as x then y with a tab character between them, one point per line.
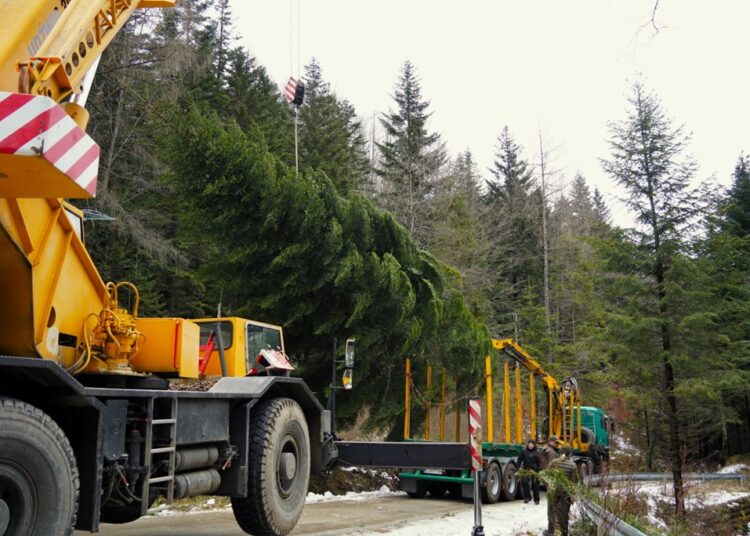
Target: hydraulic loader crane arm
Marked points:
519	355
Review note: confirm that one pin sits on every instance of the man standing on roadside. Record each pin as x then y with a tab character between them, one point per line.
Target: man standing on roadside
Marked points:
530	460
559	498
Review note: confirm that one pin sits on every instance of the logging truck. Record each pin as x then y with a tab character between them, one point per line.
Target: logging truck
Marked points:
583	430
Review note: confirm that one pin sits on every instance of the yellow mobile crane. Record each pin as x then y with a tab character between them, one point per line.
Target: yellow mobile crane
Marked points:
90	430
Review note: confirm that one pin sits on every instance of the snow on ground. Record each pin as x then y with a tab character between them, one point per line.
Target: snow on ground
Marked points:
621	445
734	468
312	498
501	519
384	491
656	492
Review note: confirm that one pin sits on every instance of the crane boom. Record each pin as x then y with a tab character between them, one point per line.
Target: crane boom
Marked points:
71	36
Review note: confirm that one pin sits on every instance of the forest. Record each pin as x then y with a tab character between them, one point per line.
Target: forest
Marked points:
417	252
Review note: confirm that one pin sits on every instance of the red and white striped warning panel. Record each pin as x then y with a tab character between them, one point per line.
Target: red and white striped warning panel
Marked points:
43	151
475	433
290	89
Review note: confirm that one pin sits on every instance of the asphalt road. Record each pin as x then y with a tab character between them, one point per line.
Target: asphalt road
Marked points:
372	516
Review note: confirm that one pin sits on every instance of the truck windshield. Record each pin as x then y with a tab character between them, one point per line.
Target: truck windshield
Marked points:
226	333
260	337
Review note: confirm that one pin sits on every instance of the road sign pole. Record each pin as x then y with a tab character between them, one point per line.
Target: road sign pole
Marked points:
475	439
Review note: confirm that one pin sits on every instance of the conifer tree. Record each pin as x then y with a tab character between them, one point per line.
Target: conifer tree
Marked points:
648	160
410	156
514	204
737	209
331	138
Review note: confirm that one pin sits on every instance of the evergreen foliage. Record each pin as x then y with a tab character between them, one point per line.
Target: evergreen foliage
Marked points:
410	156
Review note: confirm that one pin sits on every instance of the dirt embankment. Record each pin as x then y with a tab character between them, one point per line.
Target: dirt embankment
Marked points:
340	481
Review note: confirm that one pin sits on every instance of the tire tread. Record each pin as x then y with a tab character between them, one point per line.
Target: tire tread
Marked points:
250	512
25	411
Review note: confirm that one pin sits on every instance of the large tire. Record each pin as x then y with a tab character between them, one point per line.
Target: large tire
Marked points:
493	484
588	437
437	489
510	482
39	483
279	470
420	492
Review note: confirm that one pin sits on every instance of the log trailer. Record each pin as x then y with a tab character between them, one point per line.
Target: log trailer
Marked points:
582	429
91	427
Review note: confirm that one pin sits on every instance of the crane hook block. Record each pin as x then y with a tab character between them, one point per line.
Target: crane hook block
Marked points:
43	152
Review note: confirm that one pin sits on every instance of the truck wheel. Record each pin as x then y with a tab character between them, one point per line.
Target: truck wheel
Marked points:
493	484
279	469
510	482
38	473
437	489
420	492
587	436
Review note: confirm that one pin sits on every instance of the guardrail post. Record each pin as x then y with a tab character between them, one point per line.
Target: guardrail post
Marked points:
475	439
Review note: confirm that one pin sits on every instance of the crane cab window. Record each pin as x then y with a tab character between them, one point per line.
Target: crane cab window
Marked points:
259	338
226	333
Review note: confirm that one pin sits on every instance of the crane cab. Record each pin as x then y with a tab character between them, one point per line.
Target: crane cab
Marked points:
242	342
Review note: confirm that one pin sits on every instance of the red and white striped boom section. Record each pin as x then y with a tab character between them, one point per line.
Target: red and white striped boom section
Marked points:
43	153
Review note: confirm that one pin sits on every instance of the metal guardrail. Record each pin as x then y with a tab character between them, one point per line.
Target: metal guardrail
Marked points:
597	480
610	524
607	522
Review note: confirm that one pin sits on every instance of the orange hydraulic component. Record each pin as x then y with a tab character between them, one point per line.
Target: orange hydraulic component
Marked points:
170	346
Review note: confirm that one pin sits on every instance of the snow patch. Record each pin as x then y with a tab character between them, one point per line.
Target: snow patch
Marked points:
384	491
734	468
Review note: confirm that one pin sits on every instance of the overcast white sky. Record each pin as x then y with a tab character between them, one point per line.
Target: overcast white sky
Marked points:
564	65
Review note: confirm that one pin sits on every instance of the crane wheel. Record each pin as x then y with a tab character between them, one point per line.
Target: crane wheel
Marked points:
39	485
279	470
493	484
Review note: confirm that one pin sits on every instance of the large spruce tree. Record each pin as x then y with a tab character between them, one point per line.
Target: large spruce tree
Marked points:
411	157
514	205
648	159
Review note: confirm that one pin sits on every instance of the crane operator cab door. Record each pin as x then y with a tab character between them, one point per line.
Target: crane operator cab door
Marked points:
249	348
264	354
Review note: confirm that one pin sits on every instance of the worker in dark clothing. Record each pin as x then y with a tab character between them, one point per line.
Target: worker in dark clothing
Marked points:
559	498
549	452
530	460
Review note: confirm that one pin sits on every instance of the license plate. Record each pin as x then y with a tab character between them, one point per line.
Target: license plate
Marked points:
433	471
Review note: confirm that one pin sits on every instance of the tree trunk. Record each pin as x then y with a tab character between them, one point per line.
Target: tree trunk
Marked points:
545	245
669	384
